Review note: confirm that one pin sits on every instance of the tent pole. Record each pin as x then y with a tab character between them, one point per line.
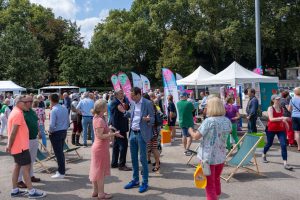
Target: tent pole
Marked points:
196	90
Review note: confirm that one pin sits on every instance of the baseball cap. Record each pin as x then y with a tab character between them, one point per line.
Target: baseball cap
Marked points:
275	96
183	94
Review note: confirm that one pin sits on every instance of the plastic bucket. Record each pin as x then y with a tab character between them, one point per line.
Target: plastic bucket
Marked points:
165	137
261	144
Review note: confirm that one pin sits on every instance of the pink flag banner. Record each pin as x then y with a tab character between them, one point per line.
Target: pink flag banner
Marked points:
125	84
170	87
115	81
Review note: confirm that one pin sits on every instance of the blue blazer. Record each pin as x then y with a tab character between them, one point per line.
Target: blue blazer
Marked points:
146	128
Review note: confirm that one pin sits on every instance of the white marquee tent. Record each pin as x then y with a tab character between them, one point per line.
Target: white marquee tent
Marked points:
9	86
236	74
196	77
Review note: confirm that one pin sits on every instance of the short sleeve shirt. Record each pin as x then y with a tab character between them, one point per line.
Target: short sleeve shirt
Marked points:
231	111
185	112
99	122
284	102
214	131
172	108
40	112
21	142
295	103
32	123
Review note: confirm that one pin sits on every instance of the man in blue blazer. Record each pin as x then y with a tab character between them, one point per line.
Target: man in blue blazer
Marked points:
141	117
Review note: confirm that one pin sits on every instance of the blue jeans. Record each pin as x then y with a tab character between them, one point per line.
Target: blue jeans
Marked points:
137	144
87	121
282	139
43	134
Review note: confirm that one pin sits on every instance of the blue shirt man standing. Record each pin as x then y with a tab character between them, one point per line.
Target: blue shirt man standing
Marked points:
84	107
59	124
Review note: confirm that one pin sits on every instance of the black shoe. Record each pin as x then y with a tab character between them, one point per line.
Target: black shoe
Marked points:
125	168
114	166
155	169
78	144
149	161
265	159
155	164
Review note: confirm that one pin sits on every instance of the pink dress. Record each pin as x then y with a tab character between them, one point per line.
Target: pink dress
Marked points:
100	157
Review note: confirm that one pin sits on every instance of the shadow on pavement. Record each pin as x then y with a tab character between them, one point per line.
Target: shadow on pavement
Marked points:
71	182
64	197
137	197
246	177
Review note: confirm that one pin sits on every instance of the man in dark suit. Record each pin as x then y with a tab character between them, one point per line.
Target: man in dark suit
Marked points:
141	131
120	122
252	108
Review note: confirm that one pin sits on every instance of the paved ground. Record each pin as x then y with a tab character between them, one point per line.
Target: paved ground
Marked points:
175	180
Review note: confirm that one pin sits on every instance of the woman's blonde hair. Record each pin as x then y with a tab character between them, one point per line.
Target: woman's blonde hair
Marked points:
215	107
35	103
99	107
297	91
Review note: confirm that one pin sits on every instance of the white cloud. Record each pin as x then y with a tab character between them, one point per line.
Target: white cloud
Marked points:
64	8
68	10
88	6
87	25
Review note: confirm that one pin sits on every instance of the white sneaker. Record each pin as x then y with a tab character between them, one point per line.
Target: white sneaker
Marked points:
58	176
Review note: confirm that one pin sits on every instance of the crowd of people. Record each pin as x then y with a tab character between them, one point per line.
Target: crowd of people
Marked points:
111	120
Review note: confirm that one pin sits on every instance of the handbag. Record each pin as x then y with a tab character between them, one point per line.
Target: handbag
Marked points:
205	167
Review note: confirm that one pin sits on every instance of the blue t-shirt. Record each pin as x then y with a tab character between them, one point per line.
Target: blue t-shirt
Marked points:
295	103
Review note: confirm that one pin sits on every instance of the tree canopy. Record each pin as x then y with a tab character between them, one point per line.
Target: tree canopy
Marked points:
178	34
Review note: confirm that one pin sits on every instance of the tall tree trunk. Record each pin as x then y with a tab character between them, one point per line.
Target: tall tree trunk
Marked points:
282	63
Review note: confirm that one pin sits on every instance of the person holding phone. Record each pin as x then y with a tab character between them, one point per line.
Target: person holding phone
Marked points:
120	122
100	158
141	131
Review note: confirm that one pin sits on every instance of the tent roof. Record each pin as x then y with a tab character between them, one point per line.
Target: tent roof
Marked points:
10	86
196	77
237	74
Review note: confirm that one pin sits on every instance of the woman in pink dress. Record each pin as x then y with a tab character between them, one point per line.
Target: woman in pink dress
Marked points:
100	157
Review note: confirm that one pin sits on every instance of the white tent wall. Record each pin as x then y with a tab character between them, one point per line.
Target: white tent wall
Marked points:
196	77
236	74
9	86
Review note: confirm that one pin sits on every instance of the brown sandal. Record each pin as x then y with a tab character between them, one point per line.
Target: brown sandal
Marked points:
94	195
105	196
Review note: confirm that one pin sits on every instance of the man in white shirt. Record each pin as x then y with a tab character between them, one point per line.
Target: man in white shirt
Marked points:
141	132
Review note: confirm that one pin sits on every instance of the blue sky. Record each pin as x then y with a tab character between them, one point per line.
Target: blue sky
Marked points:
87	13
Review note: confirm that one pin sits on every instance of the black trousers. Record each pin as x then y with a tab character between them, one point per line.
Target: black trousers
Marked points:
252	125
119	151
58	140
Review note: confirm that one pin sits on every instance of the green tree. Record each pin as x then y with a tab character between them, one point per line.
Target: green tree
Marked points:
20	57
176	54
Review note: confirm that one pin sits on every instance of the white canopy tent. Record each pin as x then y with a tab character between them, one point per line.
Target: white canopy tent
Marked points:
9	86
236	74
196	77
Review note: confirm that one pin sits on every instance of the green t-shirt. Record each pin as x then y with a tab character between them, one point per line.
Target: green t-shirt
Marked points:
185	111
32	123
